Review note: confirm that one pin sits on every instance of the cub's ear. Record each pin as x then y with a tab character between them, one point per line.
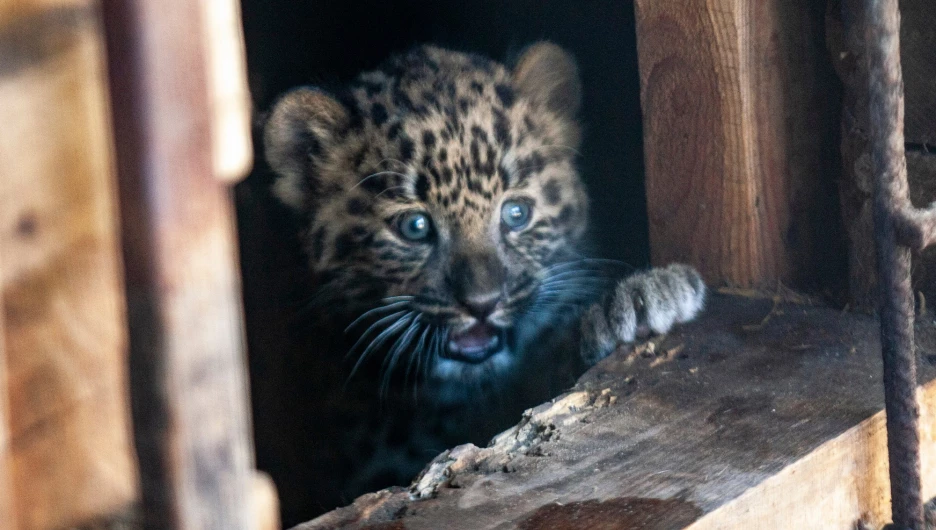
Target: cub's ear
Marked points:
303	125
548	74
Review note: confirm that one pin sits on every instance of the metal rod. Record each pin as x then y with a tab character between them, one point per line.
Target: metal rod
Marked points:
893	260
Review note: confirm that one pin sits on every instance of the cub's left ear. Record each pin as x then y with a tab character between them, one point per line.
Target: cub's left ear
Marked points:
303	126
548	74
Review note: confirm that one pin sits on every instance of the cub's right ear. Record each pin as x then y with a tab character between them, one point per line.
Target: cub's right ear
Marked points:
304	124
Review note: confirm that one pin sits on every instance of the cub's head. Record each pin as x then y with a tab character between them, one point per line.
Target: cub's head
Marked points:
441	203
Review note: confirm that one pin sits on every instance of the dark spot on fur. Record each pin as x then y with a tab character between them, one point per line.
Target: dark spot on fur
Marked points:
357	206
429	139
344	245
318	239
477	87
565	214
475	156
406	149
502	129
422	187
358	158
379	114
443	155
489	164
400	99
431	99
553	192
463	105
394	131
478	133
505	94
530	166
447	175
504	177
372	88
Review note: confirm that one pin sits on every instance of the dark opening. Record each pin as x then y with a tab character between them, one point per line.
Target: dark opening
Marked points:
292	43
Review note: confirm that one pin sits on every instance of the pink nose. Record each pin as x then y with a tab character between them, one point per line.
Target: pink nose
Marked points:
481	306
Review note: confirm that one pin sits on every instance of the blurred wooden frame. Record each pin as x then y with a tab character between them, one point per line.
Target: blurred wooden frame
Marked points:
127	279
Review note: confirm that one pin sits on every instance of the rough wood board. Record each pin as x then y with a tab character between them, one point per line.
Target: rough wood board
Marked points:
733	421
738	122
6	455
65	344
232	147
187	364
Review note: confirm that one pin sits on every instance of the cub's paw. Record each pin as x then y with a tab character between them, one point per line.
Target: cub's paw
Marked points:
647	302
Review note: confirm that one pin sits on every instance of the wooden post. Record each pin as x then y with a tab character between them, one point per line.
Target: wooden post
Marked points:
64	340
6	456
735	125
187	369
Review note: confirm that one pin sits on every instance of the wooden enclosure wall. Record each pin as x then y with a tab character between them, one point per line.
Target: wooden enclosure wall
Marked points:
90	305
67	448
739	123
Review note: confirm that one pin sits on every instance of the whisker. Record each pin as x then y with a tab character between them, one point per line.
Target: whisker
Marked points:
416	355
375	325
380	339
379	173
393	357
380	309
398	298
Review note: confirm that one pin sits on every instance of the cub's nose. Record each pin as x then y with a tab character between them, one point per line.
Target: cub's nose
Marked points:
481	305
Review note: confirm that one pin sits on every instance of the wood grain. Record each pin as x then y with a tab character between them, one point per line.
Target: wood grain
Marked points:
69	438
232	147
762	414
6	451
735	119
188	376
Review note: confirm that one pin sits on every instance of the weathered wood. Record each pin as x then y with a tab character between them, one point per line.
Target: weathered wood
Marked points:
231	148
187	369
760	415
846	48
265	503
737	122
69	438
6	451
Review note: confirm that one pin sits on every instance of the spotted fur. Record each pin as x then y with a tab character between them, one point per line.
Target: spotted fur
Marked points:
458	136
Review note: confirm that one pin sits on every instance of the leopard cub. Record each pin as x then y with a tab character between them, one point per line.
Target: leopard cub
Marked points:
443	218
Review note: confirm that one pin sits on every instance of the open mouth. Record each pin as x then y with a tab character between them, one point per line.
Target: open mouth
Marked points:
475	344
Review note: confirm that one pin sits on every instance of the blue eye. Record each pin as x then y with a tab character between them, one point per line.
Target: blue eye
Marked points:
415	226
515	214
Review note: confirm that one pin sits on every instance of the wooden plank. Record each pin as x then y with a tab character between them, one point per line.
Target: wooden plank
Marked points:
231	148
6	451
736	117
188	378
760	415
72	457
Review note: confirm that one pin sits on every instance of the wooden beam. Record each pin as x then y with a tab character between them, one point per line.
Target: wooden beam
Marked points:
231	147
737	116
188	381
68	423
6	451
762	414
